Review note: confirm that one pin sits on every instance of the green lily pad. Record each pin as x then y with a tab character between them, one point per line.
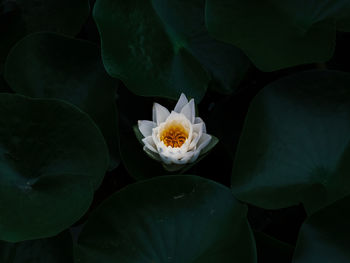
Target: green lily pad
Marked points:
48	65
162	48
56	249
52	158
226	64
325	236
21	17
295	143
279	34
168	219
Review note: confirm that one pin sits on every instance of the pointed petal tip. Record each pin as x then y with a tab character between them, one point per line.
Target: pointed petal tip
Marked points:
182	101
145	127
189	111
159	113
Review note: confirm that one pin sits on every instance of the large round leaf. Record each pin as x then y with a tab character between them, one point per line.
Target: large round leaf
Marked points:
21	17
52	158
56	249
48	65
168	219
157	51
325	236
279	33
295	143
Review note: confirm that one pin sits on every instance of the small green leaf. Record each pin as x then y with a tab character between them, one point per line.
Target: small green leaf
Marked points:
48	65
325	236
295	143
52	158
184	219
56	249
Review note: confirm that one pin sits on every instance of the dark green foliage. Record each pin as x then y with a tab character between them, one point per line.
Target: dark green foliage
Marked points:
56	249
49	168
279	33
325	236
76	184
168	219
159	53
54	66
21	17
295	143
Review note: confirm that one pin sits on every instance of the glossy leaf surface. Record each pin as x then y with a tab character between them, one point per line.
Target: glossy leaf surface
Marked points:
279	34
295	144
162	48
52	158
325	236
48	65
168	219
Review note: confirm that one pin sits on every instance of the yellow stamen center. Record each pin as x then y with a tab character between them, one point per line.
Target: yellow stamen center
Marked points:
174	135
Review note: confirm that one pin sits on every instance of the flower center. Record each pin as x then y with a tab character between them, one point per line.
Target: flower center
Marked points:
174	135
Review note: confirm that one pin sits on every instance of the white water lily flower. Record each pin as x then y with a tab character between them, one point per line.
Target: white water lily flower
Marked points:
174	138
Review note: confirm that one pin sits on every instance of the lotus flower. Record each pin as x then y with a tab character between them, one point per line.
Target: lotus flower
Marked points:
175	138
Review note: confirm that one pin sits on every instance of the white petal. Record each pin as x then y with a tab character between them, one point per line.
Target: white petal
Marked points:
171	155
165	158
175	153
187	157
173	167
149	143
155	135
194	156
199	120
146	127
198	127
160	113
177	160
189	111
203	141
151	154
181	103
197	133
194	141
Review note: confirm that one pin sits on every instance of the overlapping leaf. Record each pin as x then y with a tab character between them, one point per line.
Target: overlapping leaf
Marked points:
325	236
52	158
295	143
162	48
48	65
278	34
21	17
